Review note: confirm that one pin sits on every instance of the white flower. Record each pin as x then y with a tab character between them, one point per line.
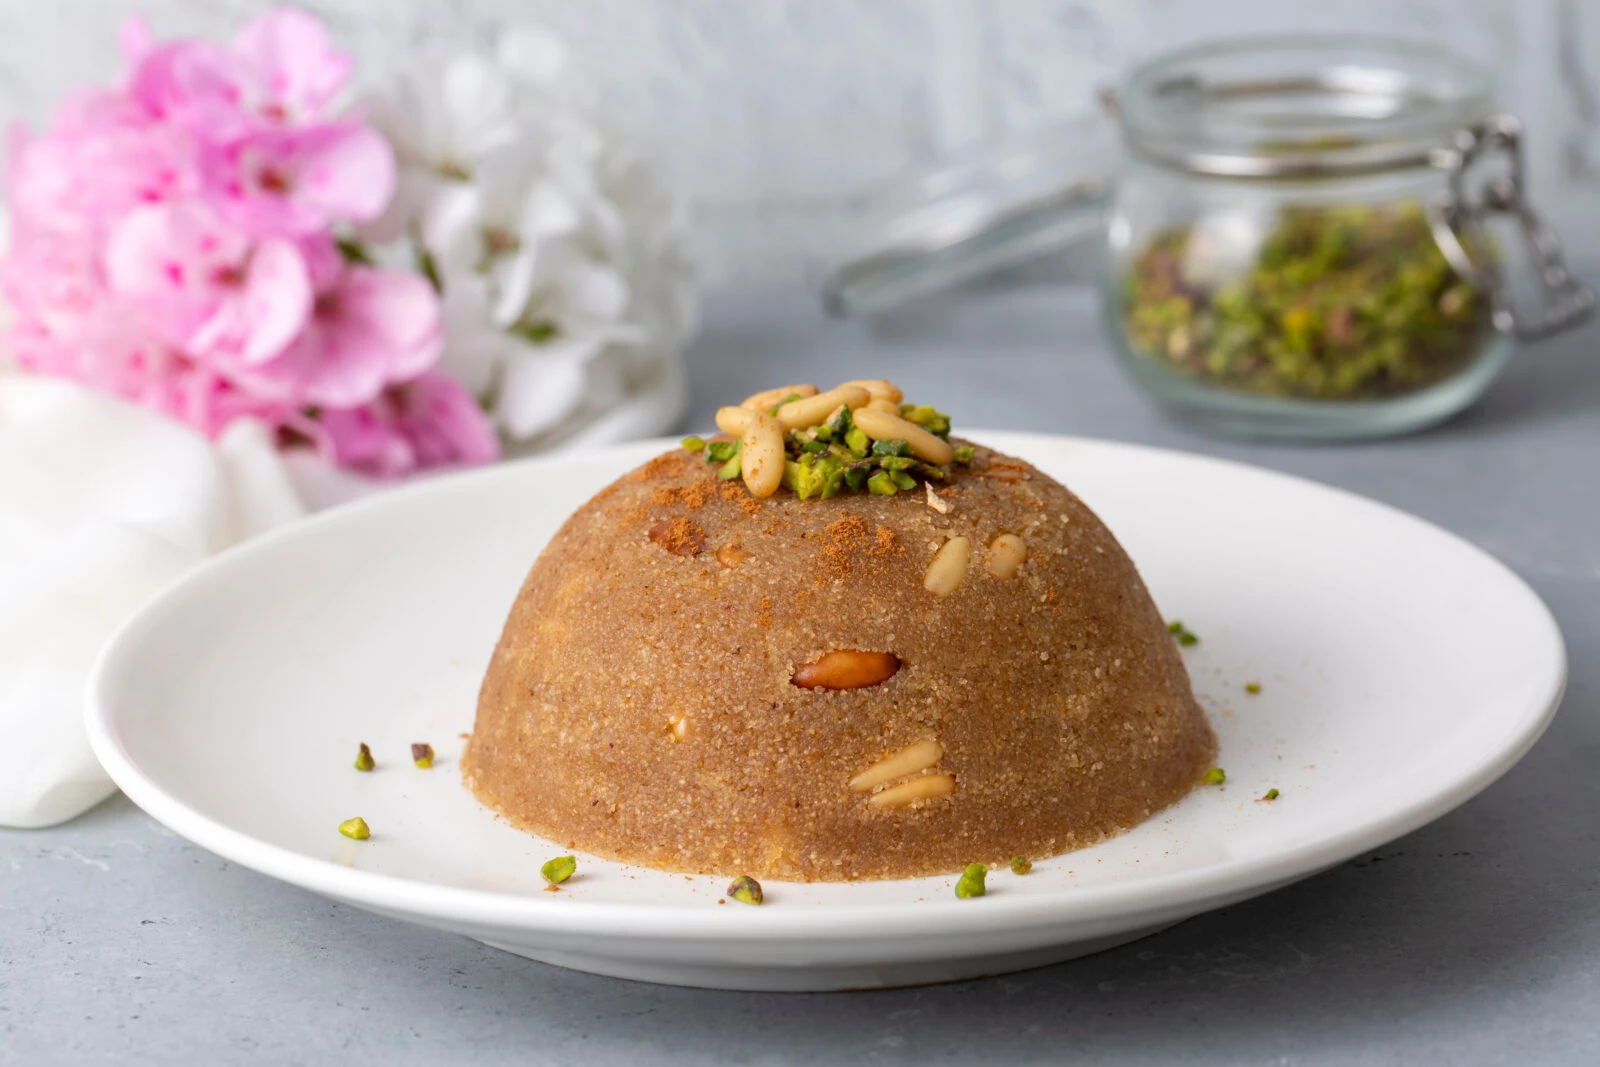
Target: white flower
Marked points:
564	288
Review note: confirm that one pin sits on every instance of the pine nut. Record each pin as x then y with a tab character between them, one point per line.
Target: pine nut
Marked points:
882	426
935	501
908	760
733	420
925	788
846	669
949	566
761	454
878	403
764	400
814	410
1006	554
678	726
880	389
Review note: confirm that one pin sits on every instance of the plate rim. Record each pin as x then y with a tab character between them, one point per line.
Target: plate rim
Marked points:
534	913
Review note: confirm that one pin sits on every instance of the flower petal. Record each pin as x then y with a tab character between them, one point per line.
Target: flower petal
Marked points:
350	177
476	108
275	300
297	69
540	387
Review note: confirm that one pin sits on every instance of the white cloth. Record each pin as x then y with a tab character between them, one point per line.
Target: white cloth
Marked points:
101	504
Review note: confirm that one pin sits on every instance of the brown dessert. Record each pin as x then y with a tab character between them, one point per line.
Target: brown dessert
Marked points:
834	679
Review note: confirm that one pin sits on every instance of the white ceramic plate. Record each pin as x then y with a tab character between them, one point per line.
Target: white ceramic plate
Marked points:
1402	671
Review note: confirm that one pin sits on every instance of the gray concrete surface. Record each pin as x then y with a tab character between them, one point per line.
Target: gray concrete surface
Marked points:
1473	941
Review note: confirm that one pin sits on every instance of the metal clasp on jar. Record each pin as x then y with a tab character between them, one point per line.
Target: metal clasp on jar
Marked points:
1458	224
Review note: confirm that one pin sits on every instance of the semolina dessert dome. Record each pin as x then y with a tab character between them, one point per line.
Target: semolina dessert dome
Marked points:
834	643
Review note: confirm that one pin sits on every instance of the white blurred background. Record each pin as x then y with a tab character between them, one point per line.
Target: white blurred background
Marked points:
769	115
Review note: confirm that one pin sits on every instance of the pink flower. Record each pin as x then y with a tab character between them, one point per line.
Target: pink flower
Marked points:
295	71
193	85
300	181
282	70
368	329
68	324
101	160
430	421
173	244
205	286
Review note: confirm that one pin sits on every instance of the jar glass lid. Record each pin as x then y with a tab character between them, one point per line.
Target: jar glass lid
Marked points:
1263	108
1300	107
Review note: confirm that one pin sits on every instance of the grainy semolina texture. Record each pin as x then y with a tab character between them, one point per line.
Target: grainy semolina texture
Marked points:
640	705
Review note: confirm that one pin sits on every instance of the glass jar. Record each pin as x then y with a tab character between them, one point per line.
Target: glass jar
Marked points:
1310	237
1294	250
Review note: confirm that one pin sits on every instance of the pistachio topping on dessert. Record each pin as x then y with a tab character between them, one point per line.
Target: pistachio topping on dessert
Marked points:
858	437
364	760
1215	776
356	829
422	754
1021	865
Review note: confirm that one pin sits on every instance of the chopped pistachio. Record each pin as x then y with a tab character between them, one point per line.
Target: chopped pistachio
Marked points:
970	884
1332	302
891	446
842	424
837	456
1252	688
881	484
1215	776
934	421
1271	794
356	829
422	754
964	454
1021	865
364	760
559	869
746	890
1181	632
694	444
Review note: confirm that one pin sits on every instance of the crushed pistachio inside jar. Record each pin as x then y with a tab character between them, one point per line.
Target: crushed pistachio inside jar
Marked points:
1336	302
